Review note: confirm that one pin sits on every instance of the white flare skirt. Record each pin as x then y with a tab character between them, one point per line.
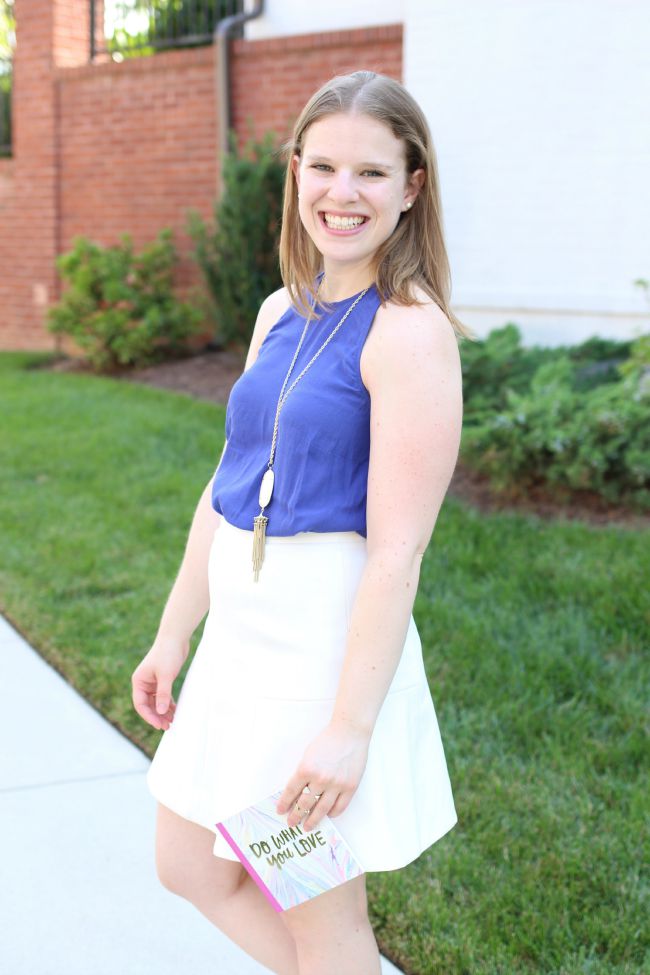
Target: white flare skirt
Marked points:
263	682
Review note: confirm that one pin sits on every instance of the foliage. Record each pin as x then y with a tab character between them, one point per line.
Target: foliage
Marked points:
644	284
638	364
492	366
120	307
7	43
7	29
565	437
239	254
6	85
534	636
147	26
499	363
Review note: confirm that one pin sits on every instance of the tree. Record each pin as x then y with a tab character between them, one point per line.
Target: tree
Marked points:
7	44
7	31
145	26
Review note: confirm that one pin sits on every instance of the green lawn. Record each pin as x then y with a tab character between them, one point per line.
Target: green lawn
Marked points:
535	637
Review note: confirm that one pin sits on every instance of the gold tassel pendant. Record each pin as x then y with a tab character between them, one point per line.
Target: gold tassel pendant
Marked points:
259	534
261	521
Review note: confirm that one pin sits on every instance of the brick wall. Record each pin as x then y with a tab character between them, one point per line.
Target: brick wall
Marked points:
28	184
272	79
138	146
109	148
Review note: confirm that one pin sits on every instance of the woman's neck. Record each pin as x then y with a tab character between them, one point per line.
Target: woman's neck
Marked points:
339	284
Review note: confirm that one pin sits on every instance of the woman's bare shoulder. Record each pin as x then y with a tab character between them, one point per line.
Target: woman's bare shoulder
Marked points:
406	330
272	308
422	310
278	300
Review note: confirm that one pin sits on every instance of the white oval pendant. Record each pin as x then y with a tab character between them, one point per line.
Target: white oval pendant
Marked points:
266	487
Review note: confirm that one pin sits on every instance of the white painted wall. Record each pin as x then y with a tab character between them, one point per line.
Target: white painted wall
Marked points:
538	110
297	17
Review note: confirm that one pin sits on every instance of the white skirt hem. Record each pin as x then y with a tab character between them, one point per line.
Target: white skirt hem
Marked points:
262	684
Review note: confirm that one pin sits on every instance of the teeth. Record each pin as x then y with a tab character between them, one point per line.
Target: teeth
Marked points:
342	223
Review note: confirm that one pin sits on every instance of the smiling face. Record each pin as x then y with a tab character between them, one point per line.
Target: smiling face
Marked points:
353	186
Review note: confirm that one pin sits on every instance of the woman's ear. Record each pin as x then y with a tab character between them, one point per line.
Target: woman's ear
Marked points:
295	168
414	185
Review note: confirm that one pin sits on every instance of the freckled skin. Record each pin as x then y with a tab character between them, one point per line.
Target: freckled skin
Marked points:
415	431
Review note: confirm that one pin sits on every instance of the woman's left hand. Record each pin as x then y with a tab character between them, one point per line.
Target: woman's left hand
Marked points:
333	764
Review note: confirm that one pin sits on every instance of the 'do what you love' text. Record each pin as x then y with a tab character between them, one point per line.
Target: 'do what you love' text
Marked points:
288	844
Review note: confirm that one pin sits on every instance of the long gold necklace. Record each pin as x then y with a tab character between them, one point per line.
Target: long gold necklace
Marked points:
266	487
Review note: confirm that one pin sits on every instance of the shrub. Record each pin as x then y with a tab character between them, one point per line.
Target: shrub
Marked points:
558	435
598	360
499	364
239	254
494	365
120	307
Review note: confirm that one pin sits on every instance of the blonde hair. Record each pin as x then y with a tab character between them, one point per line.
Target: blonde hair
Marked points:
415	252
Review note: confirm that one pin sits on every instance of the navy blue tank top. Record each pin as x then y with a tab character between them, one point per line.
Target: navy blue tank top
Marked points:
323	440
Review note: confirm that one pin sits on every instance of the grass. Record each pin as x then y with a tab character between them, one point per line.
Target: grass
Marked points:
535	637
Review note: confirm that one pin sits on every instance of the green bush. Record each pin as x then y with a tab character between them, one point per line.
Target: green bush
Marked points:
239	254
558	435
499	364
120	307
494	365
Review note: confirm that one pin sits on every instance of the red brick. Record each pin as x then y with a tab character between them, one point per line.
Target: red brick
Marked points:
106	148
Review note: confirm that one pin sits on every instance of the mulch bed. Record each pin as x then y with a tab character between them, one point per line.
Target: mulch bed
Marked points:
211	375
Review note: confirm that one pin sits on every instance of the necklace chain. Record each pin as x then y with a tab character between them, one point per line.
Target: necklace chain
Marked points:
282	398
266	486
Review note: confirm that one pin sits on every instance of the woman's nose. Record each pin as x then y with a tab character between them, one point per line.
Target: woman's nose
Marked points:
343	187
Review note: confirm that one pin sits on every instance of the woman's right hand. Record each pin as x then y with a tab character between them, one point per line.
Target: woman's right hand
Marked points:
153	678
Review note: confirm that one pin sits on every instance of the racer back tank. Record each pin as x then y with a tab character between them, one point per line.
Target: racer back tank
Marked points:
323	440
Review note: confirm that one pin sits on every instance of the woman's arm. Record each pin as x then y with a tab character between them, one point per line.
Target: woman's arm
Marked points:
153	678
415	383
189	599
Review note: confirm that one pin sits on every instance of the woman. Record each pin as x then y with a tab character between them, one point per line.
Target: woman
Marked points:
342	434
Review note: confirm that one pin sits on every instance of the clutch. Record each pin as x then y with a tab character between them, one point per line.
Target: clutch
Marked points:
288	864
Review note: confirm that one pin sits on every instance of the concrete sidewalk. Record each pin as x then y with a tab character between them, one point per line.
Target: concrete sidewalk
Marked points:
79	892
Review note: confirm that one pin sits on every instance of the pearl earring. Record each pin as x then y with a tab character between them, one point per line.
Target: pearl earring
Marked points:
409	204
